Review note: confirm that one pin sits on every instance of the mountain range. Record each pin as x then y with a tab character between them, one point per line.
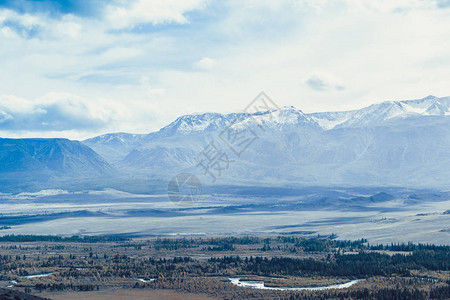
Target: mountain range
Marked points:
38	161
393	143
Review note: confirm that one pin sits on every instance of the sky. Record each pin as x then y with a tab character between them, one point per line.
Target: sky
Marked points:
80	68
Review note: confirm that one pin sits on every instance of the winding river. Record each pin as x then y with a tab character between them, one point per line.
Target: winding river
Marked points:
37	275
260	285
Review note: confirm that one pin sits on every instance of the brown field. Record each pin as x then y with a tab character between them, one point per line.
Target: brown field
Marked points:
123	294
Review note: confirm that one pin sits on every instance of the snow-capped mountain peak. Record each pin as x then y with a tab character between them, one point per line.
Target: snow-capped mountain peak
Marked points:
286	116
200	122
390	143
377	114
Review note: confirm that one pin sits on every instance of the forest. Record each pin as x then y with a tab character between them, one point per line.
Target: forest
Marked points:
44	264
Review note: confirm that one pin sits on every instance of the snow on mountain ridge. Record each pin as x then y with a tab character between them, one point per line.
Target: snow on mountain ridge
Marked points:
378	113
115	137
288	115
402	143
201	122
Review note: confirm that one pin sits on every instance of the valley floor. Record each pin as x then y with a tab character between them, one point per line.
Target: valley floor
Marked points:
404	216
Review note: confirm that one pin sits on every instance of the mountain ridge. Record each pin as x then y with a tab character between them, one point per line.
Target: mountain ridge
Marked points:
196	118
393	142
50	157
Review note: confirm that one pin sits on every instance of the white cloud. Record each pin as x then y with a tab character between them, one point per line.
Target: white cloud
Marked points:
156	91
120	53
68	27
139	80
68	115
150	11
324	82
206	63
52	112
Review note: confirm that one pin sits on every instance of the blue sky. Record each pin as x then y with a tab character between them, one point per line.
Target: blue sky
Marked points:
78	68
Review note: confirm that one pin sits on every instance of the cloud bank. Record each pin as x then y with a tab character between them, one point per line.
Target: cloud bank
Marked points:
97	66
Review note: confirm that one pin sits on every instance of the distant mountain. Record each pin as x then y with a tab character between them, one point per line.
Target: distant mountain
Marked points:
394	143
115	146
377	114
41	159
